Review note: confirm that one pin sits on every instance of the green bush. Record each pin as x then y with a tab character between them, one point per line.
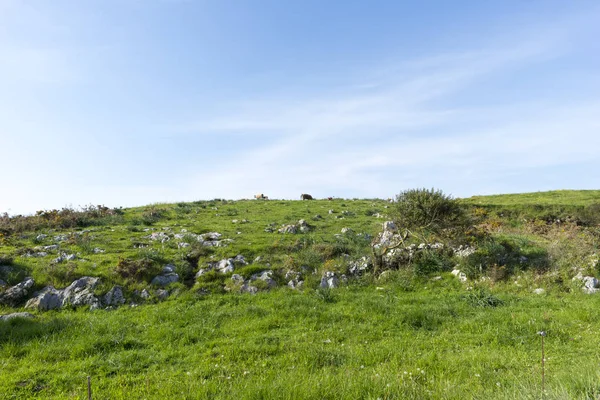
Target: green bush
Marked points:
429	210
481	297
430	261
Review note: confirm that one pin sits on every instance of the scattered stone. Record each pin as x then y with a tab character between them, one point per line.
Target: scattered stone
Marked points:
295	284
289	229
166	277
539	291
145	294
237	279
329	280
460	275
183	245
464	251
114	297
265	276
159	236
60	238
16	294
360	266
51	247
161	294
390	226
98	250
41	237
347	231
46	299
24	315
331	211
81	293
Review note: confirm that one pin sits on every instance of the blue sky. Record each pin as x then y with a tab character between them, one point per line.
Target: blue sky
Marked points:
131	102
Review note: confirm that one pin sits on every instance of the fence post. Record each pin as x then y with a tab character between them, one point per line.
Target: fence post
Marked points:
89	379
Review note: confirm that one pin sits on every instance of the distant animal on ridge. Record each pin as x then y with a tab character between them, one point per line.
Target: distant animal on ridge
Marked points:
261	196
305	196
330	198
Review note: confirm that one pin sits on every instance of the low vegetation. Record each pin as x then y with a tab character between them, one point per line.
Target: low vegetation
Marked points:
404	326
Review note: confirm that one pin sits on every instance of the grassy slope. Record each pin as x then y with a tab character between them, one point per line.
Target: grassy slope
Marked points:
354	342
555	197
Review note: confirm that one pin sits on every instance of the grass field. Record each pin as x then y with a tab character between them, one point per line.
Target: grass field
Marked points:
410	334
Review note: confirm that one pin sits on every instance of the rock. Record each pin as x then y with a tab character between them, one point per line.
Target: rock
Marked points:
168	269
145	294
38	254
239	260
41	237
464	251
390	226
590	284
24	315
60	238
289	229
295	284
159	236
98	250
164	280
161	294
539	291
183	245
237	279
265	276
302	223
114	297
46	299
2	283
329	280
225	266
460	275
81	293
248	289
347	231
16	294
51	247
211	236
331	211
360	266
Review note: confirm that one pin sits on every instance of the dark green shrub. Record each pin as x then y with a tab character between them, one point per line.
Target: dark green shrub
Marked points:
429	210
481	297
430	261
137	270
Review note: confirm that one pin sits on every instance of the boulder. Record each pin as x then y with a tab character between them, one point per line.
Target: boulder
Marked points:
265	276
289	229
329	280
390	226
81	293
16	294
460	275
46	299
360	266
164	280
114	297
225	266
24	315
161	294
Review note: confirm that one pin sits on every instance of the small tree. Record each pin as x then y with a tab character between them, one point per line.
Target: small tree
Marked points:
428	211
418	213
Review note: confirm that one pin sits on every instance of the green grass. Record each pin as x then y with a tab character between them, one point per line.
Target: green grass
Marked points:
368	343
555	197
408	336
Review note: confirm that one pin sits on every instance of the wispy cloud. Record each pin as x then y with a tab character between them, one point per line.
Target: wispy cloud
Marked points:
397	126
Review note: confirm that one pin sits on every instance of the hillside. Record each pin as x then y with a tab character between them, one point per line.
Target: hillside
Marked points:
279	299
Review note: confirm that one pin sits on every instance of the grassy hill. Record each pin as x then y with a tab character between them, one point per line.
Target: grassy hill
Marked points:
555	197
416	332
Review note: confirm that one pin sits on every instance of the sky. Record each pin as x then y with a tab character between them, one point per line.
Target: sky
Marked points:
134	102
